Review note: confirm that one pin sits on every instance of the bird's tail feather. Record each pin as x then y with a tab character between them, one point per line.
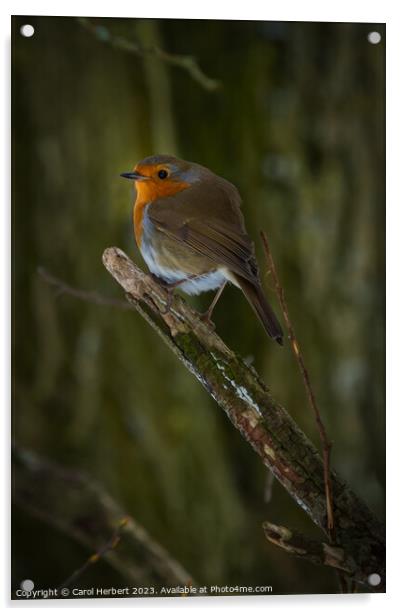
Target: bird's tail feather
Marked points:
261	307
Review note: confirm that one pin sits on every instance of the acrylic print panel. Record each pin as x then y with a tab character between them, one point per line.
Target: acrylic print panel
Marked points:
159	451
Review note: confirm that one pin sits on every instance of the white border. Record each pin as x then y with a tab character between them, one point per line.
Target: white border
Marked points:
295	10
308	10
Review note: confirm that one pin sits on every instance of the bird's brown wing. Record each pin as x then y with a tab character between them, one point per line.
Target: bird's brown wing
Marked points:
207	219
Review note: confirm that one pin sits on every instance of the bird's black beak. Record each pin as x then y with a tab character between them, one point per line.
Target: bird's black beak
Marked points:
134	175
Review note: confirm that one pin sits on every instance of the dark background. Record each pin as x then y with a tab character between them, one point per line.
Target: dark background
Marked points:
297	125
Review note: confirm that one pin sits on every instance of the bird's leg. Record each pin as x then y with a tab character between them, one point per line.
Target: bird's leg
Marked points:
170	287
206	316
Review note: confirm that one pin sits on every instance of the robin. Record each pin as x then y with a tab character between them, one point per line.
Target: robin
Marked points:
191	233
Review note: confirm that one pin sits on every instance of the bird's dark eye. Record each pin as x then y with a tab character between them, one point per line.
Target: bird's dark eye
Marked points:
162	174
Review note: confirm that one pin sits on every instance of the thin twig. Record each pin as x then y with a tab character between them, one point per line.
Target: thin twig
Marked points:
94	558
187	63
269	483
325	442
92	297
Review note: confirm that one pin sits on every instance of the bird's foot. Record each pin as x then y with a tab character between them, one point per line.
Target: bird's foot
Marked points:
169	300
169	288
206	318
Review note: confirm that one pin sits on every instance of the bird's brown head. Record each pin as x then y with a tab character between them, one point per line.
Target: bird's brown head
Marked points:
161	176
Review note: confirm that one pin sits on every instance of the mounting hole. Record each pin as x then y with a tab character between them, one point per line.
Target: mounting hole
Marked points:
374	579
374	38
27	30
27	585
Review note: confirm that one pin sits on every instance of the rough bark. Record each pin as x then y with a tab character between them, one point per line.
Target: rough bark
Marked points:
316	552
263	422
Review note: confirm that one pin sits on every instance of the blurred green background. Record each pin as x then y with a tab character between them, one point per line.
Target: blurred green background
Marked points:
298	125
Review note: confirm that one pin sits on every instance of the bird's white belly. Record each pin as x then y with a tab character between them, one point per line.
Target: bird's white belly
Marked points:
191	286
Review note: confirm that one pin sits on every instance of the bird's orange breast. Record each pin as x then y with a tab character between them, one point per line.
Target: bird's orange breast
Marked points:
150	191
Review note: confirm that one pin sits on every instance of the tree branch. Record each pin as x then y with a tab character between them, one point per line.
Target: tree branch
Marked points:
76	505
263	422
187	63
316	552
